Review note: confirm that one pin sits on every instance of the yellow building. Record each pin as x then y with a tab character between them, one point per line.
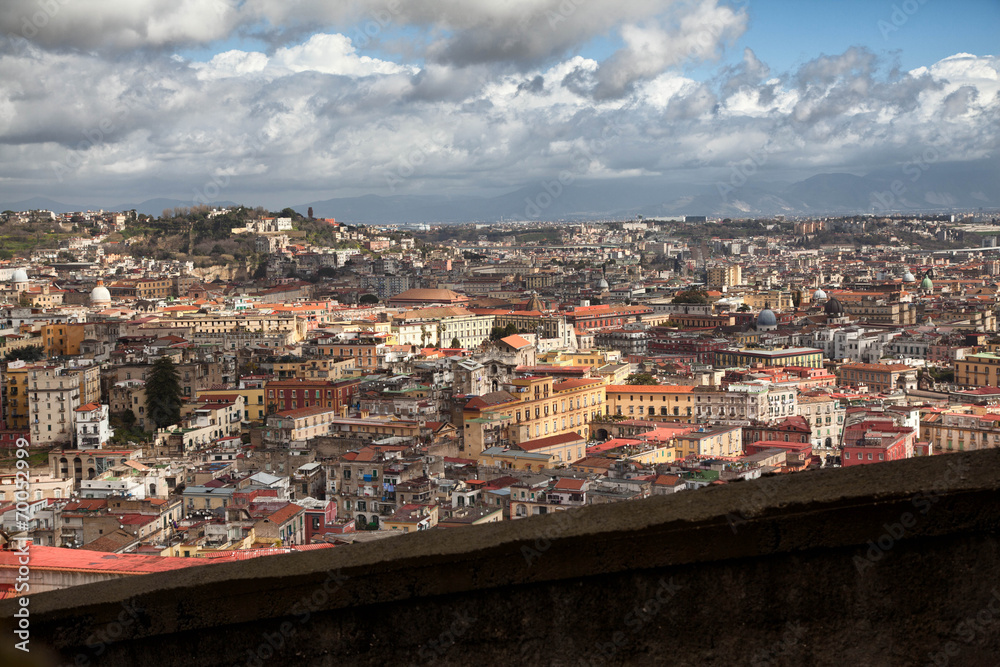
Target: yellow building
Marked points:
254	409
978	370
154	288
663	402
536	407
62	339
789	356
774	299
593	358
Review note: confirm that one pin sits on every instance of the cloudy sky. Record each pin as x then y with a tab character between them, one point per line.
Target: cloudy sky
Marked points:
278	102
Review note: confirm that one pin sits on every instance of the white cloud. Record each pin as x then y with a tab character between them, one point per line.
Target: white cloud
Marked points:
333	54
318	114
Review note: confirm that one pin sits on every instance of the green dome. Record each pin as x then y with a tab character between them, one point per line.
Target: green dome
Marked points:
926	284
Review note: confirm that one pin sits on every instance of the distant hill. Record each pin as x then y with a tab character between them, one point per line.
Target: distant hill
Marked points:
149	207
156	206
934	186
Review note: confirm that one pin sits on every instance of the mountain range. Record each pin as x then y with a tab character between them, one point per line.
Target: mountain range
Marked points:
915	187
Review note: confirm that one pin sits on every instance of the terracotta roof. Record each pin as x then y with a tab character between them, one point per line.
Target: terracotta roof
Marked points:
516	342
651	388
551	441
285	513
569	484
80	560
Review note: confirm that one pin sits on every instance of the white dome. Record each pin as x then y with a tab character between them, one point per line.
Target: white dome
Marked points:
819	295
100	294
20	276
602	284
908	277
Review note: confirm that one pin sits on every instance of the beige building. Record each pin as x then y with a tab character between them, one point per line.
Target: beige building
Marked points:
299	425
825	416
42	486
713	441
725	276
54	396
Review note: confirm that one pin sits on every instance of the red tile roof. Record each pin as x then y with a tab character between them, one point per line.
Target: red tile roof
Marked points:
78	560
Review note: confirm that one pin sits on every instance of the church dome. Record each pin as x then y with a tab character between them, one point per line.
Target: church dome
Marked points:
20	276
767	318
834	308
926	284
908	277
100	294
602	284
819	295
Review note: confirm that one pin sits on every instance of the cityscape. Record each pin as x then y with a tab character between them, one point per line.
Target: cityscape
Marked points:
586	306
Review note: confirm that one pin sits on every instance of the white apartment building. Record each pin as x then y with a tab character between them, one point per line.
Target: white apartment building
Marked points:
93	430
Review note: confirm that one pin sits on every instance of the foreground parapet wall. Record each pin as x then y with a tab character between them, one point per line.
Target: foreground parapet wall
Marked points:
894	563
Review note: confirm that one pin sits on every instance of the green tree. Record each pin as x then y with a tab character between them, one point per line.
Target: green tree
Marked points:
691	296
641	378
743	308
163	393
455	343
128	419
27	353
368	299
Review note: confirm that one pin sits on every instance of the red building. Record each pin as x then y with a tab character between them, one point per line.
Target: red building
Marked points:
877	442
791	429
800	451
296	393
586	318
703	348
322	520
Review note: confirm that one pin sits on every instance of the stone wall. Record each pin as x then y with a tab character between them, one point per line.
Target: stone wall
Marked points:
888	564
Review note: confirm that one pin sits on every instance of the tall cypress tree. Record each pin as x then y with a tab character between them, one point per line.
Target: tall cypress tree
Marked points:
163	393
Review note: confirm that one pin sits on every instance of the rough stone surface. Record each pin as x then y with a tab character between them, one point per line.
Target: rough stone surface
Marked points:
782	571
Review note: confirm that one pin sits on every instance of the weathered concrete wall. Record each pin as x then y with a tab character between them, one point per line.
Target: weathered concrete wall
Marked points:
890	564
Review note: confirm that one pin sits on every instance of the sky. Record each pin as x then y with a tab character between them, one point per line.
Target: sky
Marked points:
280	102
